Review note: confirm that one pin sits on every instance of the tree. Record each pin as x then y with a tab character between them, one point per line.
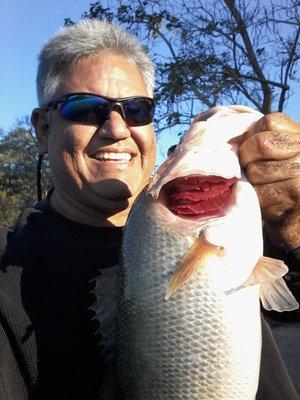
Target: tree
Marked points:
213	52
18	161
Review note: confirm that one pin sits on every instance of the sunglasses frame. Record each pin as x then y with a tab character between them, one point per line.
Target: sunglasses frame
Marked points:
114	103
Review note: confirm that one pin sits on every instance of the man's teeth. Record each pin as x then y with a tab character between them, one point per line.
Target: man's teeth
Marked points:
113	156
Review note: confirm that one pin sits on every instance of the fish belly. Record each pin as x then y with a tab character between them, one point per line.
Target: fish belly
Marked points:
199	344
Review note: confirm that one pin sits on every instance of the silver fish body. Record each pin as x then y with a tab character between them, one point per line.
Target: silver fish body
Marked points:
189	346
197	337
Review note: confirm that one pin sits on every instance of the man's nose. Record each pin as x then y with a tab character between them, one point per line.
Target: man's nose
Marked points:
115	127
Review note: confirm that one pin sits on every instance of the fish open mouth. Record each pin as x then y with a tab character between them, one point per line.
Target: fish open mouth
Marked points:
197	197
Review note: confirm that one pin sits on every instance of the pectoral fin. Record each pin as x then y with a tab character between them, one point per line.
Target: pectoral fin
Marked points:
266	270
277	296
193	259
274	293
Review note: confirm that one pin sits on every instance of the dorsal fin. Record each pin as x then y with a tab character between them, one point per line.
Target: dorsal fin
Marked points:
105	308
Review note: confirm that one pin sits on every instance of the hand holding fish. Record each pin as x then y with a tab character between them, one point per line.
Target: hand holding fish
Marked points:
270	155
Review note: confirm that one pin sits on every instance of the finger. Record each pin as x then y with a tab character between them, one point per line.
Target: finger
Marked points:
278	196
279	122
262	172
276	214
285	192
269	145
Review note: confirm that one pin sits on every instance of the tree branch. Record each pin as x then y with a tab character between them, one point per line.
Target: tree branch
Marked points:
251	55
268	81
168	43
288	69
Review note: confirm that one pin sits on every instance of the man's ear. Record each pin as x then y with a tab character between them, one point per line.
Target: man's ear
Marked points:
40	123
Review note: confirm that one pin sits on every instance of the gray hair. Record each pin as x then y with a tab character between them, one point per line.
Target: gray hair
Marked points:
82	39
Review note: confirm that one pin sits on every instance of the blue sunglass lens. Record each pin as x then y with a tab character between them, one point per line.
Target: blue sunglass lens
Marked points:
138	111
92	110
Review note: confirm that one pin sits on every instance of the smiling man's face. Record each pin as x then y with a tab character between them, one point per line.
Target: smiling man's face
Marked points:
100	167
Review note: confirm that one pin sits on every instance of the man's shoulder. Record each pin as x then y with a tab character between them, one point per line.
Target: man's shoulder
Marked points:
8	269
4	232
18	228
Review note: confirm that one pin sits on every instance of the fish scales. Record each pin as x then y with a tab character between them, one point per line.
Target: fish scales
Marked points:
175	349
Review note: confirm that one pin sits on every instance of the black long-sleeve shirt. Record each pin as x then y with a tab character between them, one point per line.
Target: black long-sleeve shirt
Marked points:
48	345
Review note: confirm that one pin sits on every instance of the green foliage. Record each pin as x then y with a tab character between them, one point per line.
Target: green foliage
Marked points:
18	160
212	52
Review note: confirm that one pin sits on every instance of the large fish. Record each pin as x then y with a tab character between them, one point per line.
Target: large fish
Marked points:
192	272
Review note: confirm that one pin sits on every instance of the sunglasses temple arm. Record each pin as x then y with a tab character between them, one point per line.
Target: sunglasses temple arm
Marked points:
39	178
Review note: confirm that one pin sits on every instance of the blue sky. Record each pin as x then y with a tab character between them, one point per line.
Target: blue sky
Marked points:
24	26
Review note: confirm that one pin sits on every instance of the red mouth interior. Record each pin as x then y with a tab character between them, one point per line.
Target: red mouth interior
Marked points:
195	197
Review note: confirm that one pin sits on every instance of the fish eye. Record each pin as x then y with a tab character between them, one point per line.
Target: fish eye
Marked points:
171	149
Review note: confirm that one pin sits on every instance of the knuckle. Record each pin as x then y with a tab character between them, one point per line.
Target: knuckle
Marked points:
276	144
275	119
268	121
250	172
293	166
281	122
262	143
256	172
264	194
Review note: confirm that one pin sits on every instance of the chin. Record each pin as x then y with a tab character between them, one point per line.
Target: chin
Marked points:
117	190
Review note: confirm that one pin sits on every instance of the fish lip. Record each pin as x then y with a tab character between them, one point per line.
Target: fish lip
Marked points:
163	197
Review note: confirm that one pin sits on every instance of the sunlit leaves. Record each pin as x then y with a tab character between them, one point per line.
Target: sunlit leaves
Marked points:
18	160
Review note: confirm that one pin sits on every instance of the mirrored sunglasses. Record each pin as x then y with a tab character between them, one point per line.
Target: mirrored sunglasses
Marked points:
92	109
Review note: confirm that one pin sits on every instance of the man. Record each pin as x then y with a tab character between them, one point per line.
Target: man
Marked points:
101	152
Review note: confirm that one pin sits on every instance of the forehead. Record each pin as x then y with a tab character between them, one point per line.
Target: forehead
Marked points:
107	74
